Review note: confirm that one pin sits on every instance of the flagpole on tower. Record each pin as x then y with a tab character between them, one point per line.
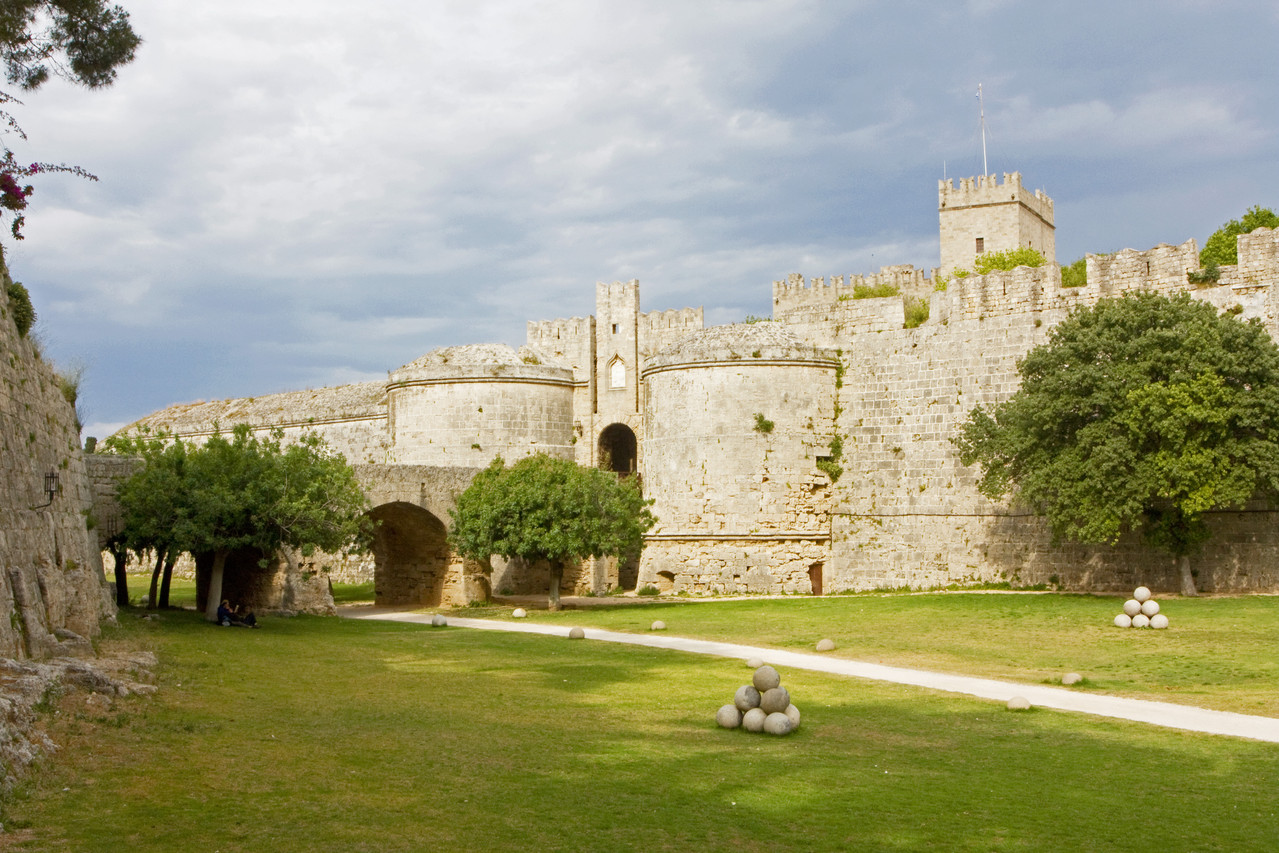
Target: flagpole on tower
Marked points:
982	102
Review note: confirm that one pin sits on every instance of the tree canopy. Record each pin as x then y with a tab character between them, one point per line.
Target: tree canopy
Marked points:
1141	413
236	491
81	40
542	508
1221	247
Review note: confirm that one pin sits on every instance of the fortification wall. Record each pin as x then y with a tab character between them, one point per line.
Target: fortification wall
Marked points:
907	513
661	329
51	581
352	419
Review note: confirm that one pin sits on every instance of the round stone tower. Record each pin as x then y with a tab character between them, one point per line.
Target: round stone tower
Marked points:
462	406
736	419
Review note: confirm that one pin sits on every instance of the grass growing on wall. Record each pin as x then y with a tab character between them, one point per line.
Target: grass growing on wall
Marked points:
325	734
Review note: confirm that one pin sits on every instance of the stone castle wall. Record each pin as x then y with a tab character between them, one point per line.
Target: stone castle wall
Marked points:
1004	215
909	514
52	590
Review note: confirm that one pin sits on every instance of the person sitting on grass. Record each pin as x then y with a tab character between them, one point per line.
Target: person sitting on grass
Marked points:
244	616
226	616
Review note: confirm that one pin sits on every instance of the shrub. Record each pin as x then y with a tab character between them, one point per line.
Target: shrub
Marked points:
916	312
24	314
762	424
875	291
1075	274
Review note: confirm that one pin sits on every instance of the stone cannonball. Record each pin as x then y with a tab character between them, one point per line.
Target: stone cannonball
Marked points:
438	620
1141	593
777	724
826	645
774	701
747	697
1132	607
519	613
1019	703
576	634
753	720
793	713
1071	678
728	717
1123	620
754	663
1159	621
659	625
1150	607
1141	620
766	678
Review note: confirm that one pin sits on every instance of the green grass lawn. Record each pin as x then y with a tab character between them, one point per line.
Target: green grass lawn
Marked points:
325	734
1219	653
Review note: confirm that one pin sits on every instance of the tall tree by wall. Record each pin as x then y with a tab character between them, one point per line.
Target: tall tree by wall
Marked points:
1140	413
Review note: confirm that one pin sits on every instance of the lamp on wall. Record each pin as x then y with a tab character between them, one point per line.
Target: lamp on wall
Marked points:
50	488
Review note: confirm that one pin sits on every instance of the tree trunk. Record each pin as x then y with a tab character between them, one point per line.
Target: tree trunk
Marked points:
557	572
215	585
1187	579
166	579
121	558
153	597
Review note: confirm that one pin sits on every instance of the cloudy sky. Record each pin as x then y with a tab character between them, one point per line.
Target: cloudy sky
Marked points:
300	193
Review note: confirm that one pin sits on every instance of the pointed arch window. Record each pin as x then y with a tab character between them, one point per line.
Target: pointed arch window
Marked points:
617	373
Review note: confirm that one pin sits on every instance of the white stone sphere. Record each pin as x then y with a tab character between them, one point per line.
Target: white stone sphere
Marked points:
518	613
576	634
1141	620
659	625
754	663
1019	703
1132	607
1141	594
746	697
1071	678
777	724
774	701
1159	621
1123	620
826	645
728	717
793	713
765	678
753	720
1150	607
438	620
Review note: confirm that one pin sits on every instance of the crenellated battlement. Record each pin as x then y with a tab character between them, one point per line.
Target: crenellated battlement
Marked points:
986	189
795	291
566	339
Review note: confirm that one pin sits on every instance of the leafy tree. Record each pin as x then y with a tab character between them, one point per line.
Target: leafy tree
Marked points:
238	491
1221	247
81	40
543	508
153	507
84	41
246	491
1141	413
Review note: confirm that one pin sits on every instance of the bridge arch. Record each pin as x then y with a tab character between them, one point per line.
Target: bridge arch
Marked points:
411	556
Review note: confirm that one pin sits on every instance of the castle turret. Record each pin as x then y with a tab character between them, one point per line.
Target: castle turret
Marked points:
983	215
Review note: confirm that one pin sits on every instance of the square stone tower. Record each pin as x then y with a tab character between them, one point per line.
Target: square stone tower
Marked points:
986	216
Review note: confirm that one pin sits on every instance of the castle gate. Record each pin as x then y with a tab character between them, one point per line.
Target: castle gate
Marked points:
618	449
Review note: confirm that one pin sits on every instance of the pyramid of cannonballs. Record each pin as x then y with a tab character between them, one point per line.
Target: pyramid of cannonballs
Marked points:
1141	611
761	706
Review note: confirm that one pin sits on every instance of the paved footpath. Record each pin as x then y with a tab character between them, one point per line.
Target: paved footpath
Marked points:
1141	710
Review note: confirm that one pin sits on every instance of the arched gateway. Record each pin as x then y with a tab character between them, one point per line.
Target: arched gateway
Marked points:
410	553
